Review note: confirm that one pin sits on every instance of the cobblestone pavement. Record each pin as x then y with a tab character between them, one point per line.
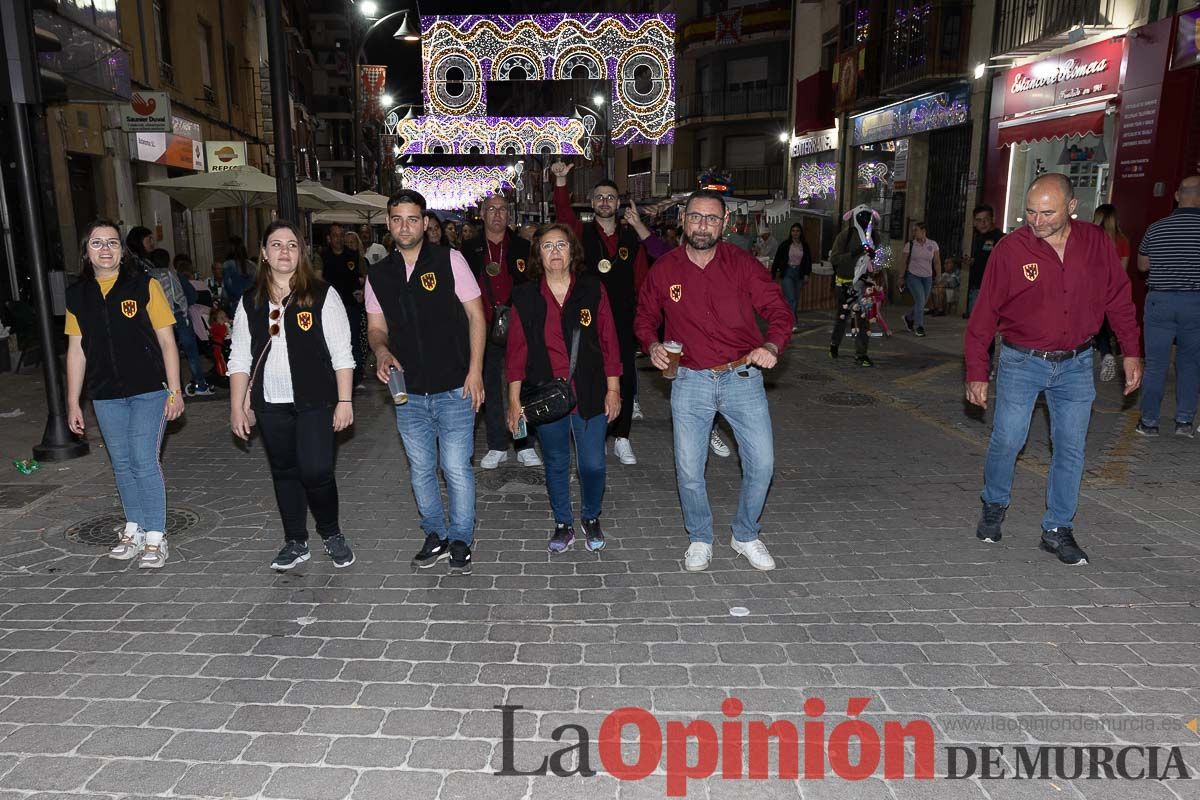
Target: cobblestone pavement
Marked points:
217	678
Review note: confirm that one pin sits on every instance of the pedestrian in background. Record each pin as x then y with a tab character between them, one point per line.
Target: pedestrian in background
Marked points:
1170	253
1106	217
563	328
920	265
344	269
983	219
291	373
121	346
161	270
237	273
792	264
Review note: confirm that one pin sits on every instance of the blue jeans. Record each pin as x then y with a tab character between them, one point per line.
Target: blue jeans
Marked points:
133	428
589	437
919	287
1070	390
1172	317
792	284
696	397
439	428
187	341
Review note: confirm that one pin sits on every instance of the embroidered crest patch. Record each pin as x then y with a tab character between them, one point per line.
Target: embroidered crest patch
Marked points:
585	317
1031	272
623	252
520	265
676	292
129	308
429	281
304	319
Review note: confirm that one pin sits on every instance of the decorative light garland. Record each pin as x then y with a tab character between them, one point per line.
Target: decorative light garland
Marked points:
635	52
459	187
439	133
871	174
814	181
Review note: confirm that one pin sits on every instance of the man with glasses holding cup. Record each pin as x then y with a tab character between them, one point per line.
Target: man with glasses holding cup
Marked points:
709	292
616	254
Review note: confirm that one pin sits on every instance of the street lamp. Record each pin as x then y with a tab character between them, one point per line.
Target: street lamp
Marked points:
386	99
597	100
405	32
369	8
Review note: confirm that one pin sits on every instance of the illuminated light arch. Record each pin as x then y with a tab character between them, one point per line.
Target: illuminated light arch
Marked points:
505	61
580	55
419	135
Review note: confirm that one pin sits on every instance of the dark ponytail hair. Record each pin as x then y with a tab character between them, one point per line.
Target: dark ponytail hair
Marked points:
134	239
86	270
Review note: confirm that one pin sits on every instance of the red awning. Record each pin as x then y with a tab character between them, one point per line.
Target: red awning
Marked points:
1040	130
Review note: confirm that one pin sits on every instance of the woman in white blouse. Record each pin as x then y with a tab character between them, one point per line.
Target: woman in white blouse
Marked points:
291	372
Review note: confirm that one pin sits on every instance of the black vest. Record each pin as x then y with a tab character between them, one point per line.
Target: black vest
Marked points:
314	384
581	312
341	272
516	256
618	281
123	356
428	331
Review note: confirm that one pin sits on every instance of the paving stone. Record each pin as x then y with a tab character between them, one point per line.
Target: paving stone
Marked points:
137	777
50	773
125	742
310	783
44	739
274	719
206	746
391	784
223	780
361	751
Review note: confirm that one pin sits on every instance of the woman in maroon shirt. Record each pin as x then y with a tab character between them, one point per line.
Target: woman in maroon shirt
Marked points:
548	312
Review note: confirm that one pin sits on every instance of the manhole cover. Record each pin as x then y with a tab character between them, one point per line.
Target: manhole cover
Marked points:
104	530
507	481
15	495
815	377
849	399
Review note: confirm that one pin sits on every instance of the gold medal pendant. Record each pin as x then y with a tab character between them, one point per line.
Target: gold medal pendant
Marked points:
492	268
604	266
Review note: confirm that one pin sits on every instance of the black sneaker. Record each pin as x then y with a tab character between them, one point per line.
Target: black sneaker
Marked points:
920	331
1146	430
908	323
833	350
460	558
337	548
562	538
593	536
1185	429
434	550
292	554
988	529
1061	542
864	361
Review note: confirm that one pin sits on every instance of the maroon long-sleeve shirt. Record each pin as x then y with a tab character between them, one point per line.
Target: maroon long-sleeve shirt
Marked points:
711	310
517	356
1037	300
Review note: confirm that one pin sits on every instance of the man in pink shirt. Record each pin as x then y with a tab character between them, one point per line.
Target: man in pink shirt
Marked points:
425	318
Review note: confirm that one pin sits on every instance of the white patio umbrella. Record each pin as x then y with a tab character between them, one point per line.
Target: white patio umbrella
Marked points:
374	215
336	201
240	187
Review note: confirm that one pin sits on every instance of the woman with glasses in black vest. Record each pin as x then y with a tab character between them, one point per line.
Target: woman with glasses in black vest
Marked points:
121	345
291	372
549	310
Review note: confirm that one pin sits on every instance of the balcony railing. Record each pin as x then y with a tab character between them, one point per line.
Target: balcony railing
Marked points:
926	43
743	102
1026	27
745	180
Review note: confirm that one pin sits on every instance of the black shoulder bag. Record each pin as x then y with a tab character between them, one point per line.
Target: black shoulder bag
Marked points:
553	400
498	330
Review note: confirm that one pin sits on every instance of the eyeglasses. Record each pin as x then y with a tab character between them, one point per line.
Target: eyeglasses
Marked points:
604	198
495	210
549	247
697	218
104	244
278	246
276	314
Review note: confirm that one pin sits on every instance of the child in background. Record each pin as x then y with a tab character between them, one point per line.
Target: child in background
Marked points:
945	290
218	334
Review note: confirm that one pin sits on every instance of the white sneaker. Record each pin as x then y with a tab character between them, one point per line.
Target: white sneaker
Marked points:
528	458
131	545
155	554
623	450
1108	368
755	552
717	444
493	459
637	410
697	557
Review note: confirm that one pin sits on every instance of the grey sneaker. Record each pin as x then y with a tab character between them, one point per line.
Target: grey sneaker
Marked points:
990	521
1146	430
1185	429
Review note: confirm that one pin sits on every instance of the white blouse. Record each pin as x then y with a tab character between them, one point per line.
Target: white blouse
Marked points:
276	374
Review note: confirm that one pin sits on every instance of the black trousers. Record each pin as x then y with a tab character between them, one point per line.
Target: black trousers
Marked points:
300	449
841	316
627	342
495	394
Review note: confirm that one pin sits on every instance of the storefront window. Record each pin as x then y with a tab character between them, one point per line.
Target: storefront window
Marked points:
816	182
1083	159
874	165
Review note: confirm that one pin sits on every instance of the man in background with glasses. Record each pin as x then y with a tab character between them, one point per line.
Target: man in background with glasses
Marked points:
709	293
615	253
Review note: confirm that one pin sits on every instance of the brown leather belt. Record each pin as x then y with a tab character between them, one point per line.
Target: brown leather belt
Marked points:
1051	355
741	362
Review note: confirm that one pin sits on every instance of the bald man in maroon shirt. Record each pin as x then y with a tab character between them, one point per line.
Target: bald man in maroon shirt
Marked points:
1047	289
710	293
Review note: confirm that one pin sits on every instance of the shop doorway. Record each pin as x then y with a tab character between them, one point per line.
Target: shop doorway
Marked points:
946	209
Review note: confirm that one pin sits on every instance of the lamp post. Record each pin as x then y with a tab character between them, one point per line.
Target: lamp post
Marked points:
405	32
285	162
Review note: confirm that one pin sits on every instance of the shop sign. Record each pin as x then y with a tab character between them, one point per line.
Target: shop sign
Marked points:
900	166
918	115
181	148
147	112
1187	41
222	156
1077	74
815	142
